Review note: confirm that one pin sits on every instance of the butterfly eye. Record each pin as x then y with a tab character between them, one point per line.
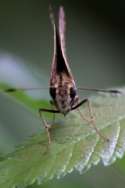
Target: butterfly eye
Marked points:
53	92
72	92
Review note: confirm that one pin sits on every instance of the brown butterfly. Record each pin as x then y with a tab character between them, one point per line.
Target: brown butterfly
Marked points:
63	90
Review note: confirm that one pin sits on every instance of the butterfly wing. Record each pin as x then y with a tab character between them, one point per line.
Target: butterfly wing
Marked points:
60	66
62	29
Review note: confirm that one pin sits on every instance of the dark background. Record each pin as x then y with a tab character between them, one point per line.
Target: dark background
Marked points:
95	49
95	37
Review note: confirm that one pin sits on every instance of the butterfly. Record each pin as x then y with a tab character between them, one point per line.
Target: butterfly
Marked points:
62	86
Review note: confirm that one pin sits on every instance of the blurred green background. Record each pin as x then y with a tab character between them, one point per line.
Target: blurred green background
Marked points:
95	49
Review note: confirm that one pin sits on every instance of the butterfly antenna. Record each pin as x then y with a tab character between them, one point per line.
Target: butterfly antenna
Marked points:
112	91
11	90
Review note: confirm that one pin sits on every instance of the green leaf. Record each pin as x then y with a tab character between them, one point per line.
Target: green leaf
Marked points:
32	104
75	145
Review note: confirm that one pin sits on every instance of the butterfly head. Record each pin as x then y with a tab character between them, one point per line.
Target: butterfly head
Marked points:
64	97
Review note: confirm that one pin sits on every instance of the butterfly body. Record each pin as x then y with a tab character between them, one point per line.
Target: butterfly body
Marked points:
64	94
62	85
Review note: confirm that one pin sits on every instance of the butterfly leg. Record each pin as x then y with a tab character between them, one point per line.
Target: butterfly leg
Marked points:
46	125
91	121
